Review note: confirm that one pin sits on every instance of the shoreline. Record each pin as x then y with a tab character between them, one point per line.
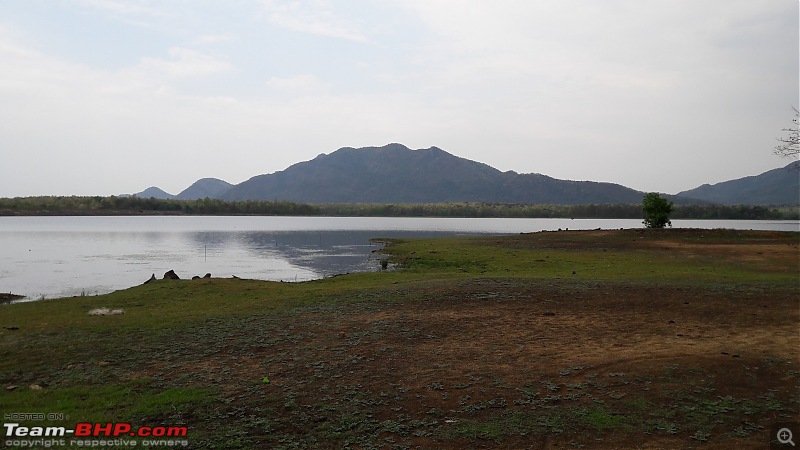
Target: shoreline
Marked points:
9	297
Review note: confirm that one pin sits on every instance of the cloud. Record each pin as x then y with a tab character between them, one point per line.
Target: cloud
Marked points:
127	7
215	38
655	95
302	83
10	48
584	39
185	63
613	73
29	71
311	16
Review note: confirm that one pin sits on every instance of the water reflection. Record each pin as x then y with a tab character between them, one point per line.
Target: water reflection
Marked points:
63	256
322	252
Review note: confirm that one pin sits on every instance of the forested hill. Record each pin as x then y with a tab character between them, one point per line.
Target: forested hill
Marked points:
202	188
775	187
396	174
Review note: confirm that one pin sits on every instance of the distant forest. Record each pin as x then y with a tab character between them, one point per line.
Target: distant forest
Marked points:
73	205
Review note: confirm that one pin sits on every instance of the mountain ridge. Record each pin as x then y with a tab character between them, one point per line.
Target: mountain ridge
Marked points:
776	186
395	173
204	187
154	192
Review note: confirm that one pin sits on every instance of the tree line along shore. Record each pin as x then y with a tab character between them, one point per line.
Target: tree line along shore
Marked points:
113	205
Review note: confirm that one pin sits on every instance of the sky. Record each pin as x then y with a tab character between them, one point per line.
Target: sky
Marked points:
105	97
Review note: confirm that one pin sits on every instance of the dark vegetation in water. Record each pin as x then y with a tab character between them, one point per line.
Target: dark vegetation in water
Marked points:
75	205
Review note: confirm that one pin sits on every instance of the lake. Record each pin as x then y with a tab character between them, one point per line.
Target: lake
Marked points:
47	257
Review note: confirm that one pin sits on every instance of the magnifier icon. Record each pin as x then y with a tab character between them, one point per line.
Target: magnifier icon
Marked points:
785	436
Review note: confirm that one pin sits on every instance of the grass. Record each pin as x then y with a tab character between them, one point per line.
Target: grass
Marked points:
646	255
562	339
112	403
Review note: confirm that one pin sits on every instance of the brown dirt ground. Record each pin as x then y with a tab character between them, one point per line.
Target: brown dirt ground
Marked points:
489	339
469	352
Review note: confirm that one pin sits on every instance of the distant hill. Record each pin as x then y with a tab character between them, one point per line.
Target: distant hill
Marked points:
153	192
396	174
774	187
204	187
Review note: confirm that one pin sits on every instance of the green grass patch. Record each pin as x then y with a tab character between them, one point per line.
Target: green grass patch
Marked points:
601	420
633	256
110	402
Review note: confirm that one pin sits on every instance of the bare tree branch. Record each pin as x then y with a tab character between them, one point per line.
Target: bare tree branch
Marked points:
790	145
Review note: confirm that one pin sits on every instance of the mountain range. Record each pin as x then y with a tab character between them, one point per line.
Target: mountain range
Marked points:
396	174
775	187
202	188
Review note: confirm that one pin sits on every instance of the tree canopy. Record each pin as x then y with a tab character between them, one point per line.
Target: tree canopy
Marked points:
656	210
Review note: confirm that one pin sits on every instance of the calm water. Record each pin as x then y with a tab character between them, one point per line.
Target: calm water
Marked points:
45	257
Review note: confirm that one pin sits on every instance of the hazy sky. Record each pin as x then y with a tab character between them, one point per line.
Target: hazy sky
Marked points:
101	97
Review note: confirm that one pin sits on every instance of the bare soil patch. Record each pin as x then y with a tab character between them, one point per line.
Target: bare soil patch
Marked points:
507	364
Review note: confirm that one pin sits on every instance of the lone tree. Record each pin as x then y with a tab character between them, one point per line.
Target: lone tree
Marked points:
656	211
790	145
